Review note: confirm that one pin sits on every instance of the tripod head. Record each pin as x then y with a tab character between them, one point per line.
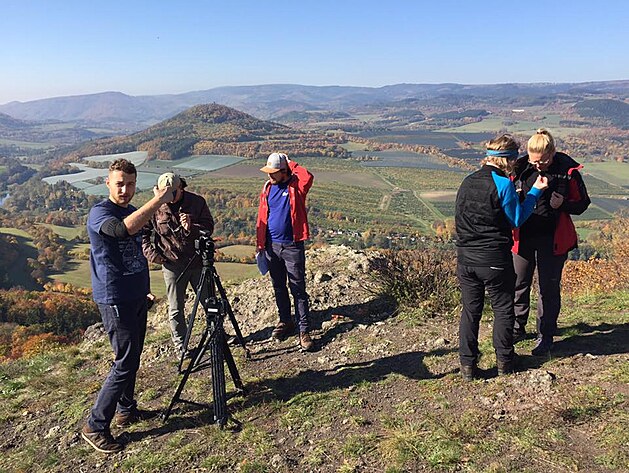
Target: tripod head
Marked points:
204	245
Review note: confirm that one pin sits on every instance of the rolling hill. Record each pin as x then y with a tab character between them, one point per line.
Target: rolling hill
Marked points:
214	129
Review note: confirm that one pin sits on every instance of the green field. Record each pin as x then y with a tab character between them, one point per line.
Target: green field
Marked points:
238	251
25	144
209	162
15	232
136	157
610	171
67	233
496	124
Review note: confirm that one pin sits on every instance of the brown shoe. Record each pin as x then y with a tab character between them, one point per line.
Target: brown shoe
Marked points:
305	341
124	419
283	329
101	441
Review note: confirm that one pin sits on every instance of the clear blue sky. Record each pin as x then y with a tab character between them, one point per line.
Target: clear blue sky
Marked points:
67	47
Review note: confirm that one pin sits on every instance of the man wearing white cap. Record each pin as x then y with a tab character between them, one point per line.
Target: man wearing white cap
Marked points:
281	231
168	240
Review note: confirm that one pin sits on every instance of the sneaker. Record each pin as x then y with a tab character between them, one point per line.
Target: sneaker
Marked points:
504	367
101	441
519	334
305	341
124	419
468	372
542	346
283	330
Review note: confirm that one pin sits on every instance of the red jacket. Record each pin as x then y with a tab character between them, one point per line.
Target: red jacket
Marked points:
299	184
576	201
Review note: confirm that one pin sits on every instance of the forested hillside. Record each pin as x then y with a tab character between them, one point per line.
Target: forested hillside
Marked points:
215	129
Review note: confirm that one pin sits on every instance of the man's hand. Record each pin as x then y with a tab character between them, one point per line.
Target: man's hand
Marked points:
164	195
541	182
186	221
150	300
556	199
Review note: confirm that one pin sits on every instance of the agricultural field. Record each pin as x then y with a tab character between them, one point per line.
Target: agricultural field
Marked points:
610	171
405	159
444	139
496	124
208	162
148	172
136	157
238	251
25	144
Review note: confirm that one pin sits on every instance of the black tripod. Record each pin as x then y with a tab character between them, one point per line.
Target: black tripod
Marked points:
212	339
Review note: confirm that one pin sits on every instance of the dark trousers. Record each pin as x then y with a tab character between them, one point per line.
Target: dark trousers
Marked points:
288	260
126	326
499	283
538	252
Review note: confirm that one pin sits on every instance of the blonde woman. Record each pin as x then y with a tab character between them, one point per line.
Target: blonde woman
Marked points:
547	236
487	208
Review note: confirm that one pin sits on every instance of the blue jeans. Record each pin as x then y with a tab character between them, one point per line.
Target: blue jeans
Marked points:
126	326
289	260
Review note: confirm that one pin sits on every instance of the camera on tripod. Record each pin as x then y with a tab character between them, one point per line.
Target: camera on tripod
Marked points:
210	294
205	245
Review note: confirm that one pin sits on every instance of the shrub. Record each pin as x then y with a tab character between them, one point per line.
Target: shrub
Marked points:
424	279
607	273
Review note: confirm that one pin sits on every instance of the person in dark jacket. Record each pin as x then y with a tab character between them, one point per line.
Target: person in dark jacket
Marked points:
168	239
281	229
547	237
487	208
120	285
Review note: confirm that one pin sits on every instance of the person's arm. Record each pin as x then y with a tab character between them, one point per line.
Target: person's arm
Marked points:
304	177
135	221
578	199
517	212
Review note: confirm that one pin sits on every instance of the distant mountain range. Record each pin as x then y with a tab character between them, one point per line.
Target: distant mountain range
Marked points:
131	113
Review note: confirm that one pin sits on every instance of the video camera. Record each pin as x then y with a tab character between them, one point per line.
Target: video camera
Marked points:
205	245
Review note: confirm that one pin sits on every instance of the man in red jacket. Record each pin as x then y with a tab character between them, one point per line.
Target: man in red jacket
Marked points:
281	230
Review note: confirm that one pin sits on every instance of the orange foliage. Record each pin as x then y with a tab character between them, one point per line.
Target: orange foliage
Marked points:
606	274
41	343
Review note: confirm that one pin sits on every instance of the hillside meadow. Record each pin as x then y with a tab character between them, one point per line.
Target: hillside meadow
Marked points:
382	393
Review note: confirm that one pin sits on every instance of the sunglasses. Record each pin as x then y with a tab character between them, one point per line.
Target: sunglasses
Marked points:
541	162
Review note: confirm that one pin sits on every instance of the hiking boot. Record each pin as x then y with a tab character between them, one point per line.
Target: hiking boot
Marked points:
468	372
519	334
305	341
282	330
101	441
504	367
542	346
124	419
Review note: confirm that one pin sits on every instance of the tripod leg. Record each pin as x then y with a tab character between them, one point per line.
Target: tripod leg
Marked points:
231	365
197	299
186	374
230	314
218	379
